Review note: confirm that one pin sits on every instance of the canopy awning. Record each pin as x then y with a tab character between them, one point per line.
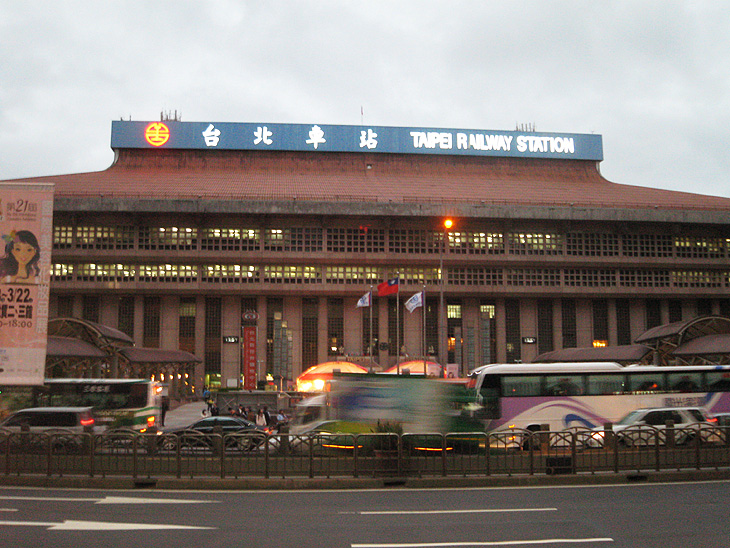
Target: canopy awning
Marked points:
157	355
67	347
710	344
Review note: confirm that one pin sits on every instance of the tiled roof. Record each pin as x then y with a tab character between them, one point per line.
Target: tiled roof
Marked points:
366	177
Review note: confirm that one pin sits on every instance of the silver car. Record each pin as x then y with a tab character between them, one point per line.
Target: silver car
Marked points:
648	427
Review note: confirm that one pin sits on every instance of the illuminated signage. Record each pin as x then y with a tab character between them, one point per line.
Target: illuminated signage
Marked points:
156	134
326	138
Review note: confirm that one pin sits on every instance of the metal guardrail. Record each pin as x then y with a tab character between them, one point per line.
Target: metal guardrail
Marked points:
515	452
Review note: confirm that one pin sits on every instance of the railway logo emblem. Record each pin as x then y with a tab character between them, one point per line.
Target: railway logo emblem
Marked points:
156	134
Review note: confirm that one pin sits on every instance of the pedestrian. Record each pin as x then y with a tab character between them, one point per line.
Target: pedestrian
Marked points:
267	416
164	407
260	418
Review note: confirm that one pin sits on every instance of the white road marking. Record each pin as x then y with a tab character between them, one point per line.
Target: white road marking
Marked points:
112	500
73	525
486	543
467	511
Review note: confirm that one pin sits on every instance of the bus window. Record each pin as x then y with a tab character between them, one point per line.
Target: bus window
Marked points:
521	385
605	384
490	398
685	381
564	385
647	382
718	381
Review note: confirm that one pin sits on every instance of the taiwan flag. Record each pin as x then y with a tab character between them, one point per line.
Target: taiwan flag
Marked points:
388	287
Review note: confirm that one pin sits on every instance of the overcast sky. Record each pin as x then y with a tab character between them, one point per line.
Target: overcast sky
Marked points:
653	78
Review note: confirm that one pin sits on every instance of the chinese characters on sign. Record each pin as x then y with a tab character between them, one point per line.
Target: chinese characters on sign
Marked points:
26	227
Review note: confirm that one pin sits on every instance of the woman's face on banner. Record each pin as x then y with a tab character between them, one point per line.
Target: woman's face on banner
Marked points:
23	253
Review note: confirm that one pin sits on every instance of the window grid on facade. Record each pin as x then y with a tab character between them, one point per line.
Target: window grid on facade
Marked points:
475	243
310	332
704	307
62	272
96	272
335	326
168	273
220	239
213	330
91	308
151	322
513	332
229	273
419	276
647	245
168	238
591	244
65	306
653	313
600	320
675	310
533	277
274	308
529	243
623	321
544	326
453	327
186	326
699	248
125	315
105	237
401	240
584	277
570	332
355	240
353	275
475	276
63	237
644	278
488	331
293	274
691	278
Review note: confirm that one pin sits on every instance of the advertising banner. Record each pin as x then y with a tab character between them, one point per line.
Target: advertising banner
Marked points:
249	358
26	229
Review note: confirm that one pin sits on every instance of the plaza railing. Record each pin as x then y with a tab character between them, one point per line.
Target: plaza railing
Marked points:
318	455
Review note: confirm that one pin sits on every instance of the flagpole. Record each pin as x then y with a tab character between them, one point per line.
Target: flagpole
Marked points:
397	322
423	326
370	345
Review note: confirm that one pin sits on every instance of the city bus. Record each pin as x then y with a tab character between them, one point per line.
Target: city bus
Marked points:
565	395
130	403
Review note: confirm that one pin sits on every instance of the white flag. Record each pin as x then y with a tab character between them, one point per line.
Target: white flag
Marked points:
414	302
364	300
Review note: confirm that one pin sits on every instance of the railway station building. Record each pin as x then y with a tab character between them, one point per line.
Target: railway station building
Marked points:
259	248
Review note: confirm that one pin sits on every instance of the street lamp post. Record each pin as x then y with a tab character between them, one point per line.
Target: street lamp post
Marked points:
443	343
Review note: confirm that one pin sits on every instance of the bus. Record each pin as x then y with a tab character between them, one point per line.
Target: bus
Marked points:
566	395
117	403
368	403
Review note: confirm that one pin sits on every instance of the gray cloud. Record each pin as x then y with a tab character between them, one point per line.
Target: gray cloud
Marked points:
652	77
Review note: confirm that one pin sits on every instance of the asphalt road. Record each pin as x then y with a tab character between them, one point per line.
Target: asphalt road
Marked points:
631	516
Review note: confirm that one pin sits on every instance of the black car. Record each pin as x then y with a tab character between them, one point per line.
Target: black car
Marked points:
237	434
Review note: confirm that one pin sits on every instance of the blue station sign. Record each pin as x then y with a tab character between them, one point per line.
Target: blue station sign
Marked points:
328	138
